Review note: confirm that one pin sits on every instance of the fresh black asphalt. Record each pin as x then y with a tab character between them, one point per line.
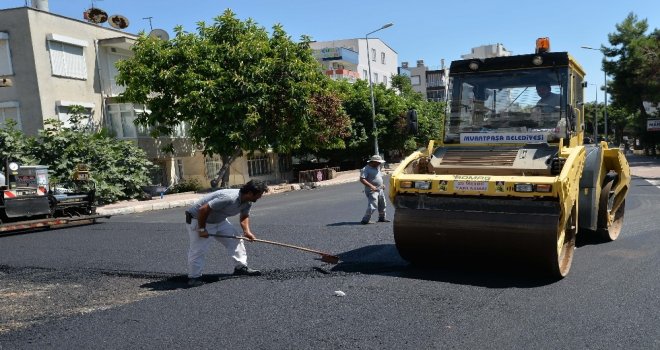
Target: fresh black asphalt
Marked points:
120	284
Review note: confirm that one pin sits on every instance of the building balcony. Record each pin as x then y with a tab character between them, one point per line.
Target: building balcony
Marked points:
337	74
338	54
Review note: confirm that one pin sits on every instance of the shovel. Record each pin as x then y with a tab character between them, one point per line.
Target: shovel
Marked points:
325	257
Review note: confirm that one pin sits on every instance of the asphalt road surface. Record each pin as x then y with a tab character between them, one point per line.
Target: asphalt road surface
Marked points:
121	284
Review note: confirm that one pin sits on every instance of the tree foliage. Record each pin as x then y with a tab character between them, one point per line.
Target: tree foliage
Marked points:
391	104
618	119
633	62
13	144
237	87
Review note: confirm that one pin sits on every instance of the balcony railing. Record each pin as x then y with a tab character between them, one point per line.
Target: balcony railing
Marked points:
337	74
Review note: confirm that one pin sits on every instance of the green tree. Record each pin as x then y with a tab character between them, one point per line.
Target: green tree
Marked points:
617	119
237	87
392	104
634	66
119	168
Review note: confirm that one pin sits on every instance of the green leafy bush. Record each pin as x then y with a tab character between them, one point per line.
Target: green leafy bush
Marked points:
118	168
186	185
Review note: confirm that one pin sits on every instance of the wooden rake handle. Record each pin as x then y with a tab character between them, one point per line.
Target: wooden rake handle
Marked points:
325	256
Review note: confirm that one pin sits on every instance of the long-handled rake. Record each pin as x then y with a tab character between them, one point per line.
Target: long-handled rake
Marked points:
325	257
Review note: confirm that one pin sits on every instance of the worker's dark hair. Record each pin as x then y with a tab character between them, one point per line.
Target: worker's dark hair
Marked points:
254	187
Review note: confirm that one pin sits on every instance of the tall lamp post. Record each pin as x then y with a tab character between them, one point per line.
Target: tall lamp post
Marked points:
604	92
371	87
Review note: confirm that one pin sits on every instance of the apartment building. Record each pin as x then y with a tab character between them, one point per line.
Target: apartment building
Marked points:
487	51
349	59
55	62
431	83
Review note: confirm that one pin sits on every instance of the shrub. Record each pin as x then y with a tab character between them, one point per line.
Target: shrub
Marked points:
186	185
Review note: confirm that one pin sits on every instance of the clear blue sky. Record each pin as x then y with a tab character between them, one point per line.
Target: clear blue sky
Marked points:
423	29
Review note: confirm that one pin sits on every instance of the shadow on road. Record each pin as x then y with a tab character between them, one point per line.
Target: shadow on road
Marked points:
181	282
491	273
345	223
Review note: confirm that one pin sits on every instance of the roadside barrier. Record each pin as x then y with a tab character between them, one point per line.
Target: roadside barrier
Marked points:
316	175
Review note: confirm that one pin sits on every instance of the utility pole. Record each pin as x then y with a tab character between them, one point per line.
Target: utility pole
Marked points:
371	89
604	91
596	117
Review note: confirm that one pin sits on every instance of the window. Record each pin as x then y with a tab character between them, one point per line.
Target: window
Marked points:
375	78
64	114
9	111
113	58
178	171
385	80
121	120
382	57
415	80
373	55
67	56
5	57
213	166
122	117
259	165
365	74
157	173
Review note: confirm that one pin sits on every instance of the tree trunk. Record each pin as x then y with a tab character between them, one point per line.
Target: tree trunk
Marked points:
222	177
646	136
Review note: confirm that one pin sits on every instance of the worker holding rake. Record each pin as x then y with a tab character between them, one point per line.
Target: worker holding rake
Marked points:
209	215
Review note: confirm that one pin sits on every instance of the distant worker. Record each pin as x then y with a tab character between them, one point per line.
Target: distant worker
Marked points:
209	215
549	100
374	188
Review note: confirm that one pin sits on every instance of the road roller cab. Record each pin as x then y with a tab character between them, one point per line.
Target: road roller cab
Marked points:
512	174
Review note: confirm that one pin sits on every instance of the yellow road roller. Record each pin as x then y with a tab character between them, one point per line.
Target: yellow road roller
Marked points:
514	174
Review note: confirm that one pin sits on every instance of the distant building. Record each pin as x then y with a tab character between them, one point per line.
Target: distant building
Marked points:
56	62
431	83
487	51
348	59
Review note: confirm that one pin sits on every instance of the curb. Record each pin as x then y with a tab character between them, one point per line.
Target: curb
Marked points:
158	205
141	208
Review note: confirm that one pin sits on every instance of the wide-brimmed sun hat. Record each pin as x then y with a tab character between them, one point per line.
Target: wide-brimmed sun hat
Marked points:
376	158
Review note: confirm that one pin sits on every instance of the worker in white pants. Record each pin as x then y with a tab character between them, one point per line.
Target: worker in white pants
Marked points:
199	246
209	215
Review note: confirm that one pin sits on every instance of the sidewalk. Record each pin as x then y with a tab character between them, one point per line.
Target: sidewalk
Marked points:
647	167
187	199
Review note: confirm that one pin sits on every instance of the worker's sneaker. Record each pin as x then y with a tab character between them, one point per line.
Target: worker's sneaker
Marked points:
246	271
195	282
366	222
384	220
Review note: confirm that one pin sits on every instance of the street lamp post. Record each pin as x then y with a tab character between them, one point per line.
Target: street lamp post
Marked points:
604	92
371	88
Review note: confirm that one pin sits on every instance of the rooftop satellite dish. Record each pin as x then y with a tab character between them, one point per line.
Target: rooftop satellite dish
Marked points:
159	34
118	21
95	15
